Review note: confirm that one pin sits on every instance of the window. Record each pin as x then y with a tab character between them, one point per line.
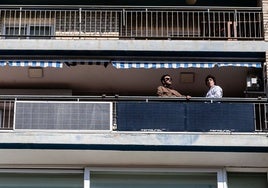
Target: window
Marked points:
247	180
183	178
41	180
15	32
28	32
40	31
152	180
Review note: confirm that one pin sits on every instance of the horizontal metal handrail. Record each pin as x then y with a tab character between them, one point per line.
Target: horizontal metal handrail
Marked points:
130	98
119	7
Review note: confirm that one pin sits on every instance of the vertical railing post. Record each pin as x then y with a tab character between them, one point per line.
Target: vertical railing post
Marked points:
114	116
124	21
10	110
209	24
80	21
124	18
20	21
146	23
265	126
14	114
3	115
235	24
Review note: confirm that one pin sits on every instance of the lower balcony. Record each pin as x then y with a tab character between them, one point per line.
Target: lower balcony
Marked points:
131	131
142	114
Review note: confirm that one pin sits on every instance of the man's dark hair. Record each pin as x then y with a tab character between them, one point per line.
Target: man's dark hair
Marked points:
163	77
212	77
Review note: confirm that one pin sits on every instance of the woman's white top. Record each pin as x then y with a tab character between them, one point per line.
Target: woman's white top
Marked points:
214	92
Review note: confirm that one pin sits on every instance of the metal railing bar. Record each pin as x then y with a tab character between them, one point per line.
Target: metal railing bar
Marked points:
264	118
3	115
130	7
9	115
131	98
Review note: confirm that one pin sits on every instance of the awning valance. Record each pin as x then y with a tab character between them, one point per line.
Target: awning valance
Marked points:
32	63
240	64
35	63
175	65
3	63
52	63
75	62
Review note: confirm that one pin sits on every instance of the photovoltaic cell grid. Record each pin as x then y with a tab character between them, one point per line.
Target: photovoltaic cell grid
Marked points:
63	116
192	117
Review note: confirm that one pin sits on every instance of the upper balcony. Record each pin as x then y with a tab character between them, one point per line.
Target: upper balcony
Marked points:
155	23
107	32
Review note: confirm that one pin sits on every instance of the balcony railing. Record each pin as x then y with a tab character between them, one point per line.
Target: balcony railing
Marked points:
133	114
132	23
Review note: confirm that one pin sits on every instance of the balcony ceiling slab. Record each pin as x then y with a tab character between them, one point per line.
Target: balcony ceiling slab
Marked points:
134	55
81	158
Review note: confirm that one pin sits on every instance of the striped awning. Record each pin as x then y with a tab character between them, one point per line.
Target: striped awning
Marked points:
3	63
75	62
237	64
35	63
175	65
53	63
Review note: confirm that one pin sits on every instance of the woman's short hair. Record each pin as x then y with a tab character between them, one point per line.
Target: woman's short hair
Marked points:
212	77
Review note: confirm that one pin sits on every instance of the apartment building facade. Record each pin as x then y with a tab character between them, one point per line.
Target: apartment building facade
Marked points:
78	94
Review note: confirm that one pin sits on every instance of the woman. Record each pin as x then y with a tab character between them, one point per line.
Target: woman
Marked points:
214	90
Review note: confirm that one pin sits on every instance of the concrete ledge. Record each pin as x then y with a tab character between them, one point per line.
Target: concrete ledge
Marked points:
135	45
137	138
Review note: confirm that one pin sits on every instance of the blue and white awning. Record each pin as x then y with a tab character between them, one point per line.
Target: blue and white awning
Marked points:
35	63
239	64
3	63
175	65
75	62
53	63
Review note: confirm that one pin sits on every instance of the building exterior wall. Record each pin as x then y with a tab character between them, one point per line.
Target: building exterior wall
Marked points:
265	17
33	154
265	20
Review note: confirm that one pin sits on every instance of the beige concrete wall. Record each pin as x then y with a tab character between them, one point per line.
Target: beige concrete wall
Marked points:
265	23
265	18
266	73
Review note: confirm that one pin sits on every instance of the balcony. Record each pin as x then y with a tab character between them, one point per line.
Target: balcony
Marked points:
74	130
139	114
166	23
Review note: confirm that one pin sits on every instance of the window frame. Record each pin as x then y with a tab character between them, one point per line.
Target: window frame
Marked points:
87	171
28	35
